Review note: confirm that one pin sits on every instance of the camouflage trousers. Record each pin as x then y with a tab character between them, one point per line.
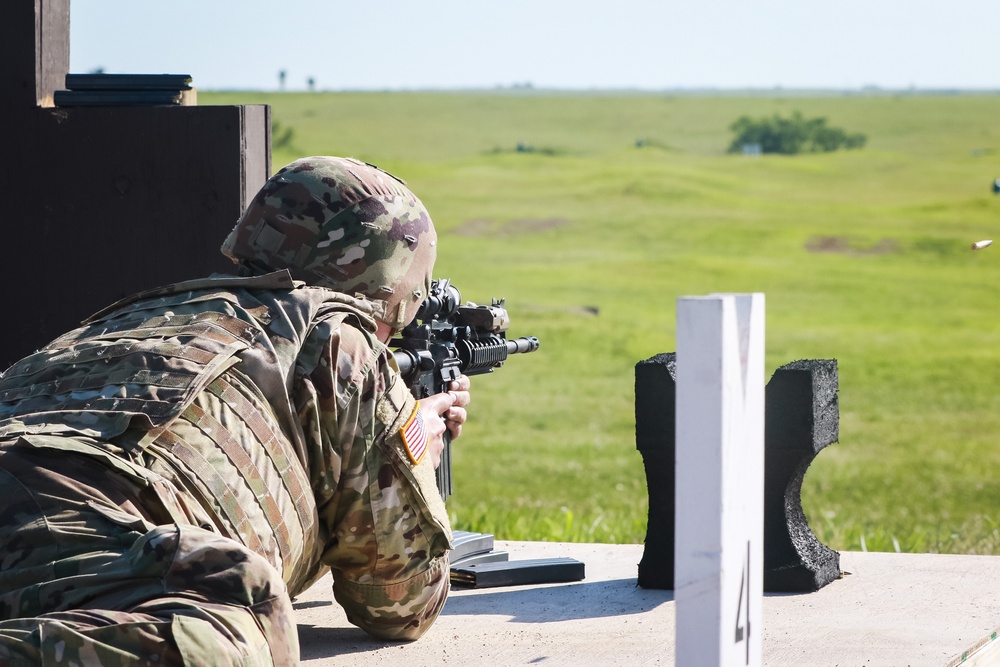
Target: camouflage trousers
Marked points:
88	578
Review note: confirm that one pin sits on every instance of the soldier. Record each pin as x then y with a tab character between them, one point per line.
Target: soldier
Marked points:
178	467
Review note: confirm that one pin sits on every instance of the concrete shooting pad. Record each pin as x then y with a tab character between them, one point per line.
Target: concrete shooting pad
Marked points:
891	609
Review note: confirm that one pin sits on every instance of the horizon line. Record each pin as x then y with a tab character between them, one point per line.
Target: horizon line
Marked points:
872	90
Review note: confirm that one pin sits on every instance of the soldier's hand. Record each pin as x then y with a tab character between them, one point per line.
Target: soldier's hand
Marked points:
456	415
445	411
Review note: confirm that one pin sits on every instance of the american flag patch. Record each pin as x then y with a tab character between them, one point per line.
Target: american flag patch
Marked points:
414	436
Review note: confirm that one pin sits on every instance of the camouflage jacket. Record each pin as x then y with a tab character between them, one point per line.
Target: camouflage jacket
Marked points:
264	380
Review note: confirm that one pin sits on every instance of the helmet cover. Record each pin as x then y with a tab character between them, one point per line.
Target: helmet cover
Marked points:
343	224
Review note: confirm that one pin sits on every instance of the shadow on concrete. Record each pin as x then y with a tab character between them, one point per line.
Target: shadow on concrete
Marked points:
550	604
318	642
539	604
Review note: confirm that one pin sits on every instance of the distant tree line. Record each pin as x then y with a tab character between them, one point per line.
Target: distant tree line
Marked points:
789	136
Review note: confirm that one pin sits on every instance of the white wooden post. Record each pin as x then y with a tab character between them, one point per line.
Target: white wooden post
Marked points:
718	555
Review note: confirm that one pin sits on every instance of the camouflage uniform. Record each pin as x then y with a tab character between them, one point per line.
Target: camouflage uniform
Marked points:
184	462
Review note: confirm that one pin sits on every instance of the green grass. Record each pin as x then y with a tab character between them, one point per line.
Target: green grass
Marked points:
863	257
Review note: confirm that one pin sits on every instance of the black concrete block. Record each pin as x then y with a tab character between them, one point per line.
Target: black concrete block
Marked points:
802	416
655	427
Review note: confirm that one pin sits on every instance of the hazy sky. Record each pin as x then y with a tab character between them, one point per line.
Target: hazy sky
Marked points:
649	44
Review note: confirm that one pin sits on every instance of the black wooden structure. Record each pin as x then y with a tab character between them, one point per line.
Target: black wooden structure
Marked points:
101	202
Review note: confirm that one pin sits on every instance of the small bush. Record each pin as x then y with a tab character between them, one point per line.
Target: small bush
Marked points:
526	148
789	136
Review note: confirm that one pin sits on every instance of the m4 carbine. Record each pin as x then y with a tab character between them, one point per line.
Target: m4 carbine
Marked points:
447	340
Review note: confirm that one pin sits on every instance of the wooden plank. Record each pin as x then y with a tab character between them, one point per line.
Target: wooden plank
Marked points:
719	479
116	98
34	50
256	149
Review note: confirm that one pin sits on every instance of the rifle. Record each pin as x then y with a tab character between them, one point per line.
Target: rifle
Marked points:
447	340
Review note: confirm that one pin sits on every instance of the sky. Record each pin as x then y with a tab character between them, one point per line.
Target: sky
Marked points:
563	44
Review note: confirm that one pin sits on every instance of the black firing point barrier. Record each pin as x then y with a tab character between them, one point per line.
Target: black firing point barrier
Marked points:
111	200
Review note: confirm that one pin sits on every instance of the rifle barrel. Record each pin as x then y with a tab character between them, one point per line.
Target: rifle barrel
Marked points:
522	345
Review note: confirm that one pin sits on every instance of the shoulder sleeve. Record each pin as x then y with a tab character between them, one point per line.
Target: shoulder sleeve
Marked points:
385	527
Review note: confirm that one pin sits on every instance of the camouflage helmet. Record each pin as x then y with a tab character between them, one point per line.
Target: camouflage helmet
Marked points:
343	224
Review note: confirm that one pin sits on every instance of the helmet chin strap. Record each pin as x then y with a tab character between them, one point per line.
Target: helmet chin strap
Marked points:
407	310
399	320
393	324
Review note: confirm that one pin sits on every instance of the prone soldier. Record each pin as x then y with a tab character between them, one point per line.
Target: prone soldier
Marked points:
178	467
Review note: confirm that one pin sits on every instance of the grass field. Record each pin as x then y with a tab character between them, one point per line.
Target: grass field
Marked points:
863	257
